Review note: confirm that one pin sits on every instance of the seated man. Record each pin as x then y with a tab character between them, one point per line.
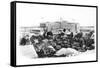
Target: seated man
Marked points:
66	43
78	44
37	37
46	48
25	40
79	35
48	35
69	33
89	43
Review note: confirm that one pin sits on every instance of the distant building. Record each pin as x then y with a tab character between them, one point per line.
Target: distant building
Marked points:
42	25
30	30
86	28
58	25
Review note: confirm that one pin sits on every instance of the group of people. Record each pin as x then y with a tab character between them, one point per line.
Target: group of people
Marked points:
48	44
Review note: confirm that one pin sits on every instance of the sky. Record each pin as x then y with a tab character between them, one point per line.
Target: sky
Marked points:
33	14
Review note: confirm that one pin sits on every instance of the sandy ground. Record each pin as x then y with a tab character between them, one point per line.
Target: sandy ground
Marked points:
27	55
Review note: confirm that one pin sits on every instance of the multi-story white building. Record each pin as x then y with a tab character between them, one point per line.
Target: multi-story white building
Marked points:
59	25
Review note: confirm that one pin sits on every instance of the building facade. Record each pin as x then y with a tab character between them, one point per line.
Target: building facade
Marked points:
59	25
